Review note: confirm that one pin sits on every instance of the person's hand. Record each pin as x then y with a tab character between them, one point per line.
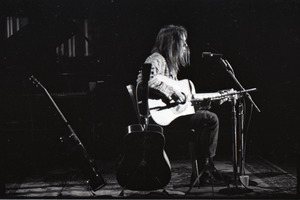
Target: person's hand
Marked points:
178	97
227	96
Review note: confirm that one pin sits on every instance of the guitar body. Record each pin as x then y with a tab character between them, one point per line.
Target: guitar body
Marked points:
164	115
144	165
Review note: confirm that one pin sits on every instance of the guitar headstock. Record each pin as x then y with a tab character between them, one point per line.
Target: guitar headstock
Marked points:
35	81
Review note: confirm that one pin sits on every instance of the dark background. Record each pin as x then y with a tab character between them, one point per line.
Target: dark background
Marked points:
259	38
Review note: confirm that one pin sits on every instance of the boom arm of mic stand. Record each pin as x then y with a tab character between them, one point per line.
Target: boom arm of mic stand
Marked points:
230	71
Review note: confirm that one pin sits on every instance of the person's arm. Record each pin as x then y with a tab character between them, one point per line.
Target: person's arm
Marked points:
164	89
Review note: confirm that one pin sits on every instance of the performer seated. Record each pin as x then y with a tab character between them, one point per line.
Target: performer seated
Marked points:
169	54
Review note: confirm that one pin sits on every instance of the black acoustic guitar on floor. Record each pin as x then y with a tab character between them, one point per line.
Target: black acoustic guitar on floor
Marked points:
88	165
144	165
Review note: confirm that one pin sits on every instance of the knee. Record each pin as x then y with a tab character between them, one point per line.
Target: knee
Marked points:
212	119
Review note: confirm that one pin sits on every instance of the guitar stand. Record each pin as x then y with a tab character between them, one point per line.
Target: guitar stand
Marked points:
210	167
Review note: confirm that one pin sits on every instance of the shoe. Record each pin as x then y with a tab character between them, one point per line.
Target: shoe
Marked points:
216	175
213	181
206	180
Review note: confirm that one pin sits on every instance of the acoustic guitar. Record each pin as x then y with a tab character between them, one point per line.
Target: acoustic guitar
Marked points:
164	113
89	167
144	165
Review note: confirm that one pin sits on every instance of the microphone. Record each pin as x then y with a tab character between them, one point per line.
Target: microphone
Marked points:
211	55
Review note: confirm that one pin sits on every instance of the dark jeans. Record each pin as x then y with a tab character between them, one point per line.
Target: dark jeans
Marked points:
206	126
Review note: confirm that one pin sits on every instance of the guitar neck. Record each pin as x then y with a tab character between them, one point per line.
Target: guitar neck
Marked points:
202	96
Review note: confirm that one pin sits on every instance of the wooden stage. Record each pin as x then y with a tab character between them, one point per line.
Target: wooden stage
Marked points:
267	180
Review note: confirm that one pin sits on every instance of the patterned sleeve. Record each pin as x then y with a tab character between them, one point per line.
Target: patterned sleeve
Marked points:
158	68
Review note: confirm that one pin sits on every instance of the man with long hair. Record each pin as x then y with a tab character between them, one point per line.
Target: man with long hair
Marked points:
168	55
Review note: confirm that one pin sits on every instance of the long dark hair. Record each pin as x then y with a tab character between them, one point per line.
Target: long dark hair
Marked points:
168	44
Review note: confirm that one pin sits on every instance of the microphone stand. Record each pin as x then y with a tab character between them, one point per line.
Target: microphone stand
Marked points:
231	73
237	133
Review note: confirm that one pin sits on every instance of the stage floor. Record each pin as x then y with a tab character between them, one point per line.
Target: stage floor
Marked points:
267	180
